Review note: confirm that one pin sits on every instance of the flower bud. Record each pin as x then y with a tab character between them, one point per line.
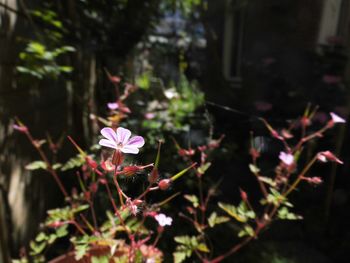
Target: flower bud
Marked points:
328	156
117	158
91	162
131	170
313	180
164	184
107	165
305	121
93	187
20	128
244	195
154	175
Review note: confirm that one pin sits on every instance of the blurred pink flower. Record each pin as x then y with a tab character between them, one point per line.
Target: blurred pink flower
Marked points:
163	220
336	118
286	158
150	115
113	105
121	141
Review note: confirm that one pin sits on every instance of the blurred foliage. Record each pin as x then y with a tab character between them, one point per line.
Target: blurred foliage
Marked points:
39	62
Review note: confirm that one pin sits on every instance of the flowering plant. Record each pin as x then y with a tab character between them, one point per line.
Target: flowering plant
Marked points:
132	226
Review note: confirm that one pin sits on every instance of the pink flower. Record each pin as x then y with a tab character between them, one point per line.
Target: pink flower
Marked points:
113	105
336	118
150	115
121	141
286	158
328	156
163	220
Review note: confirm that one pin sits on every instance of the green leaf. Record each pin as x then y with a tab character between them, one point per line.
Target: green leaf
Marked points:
232	211
36	165
62	231
203	168
102	259
193	199
74	162
56	166
203	248
41	237
52	238
179	256
246	231
37	248
254	169
66	69
267	180
80	208
284	214
214	219
144	81
274	197
81	251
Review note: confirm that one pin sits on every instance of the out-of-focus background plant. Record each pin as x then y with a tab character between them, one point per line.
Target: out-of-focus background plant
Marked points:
202	68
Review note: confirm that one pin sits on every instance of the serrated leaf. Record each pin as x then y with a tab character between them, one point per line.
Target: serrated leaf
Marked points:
36	165
246	231
52	238
179	256
183	240
73	162
214	219
37	248
56	166
62	231
285	214
232	211
41	237
80	251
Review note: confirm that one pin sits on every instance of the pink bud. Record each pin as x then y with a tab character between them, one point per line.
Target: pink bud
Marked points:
117	158
20	128
189	152
164	184
92	163
328	156
154	175
305	121
93	187
244	195
107	165
114	79
313	180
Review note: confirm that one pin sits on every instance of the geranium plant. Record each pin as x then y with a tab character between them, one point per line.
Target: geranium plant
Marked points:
130	228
